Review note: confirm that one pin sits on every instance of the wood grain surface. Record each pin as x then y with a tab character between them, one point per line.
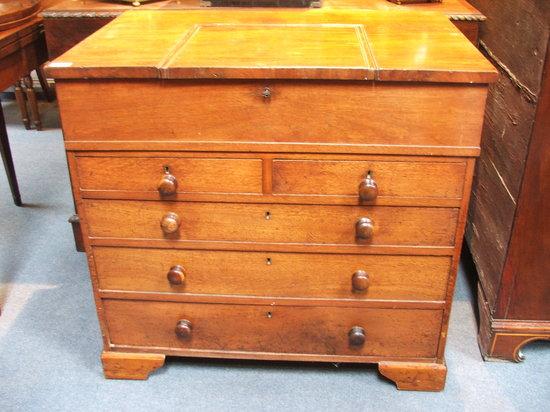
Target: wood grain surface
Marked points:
288	224
415	376
272	274
288	178
355	116
339	44
135	366
194	175
258	244
307	330
71	21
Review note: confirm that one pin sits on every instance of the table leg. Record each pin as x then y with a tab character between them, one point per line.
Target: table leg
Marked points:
8	161
33	103
22	103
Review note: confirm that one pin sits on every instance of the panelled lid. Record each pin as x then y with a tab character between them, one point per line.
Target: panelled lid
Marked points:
340	44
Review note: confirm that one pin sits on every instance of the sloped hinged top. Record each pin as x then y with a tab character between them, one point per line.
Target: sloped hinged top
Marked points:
283	44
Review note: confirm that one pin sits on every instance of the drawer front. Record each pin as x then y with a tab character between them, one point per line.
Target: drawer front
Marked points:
332	225
314	112
391	178
282	329
193	174
297	275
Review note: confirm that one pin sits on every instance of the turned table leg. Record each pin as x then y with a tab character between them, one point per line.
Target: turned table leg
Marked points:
22	103
8	161
136	366
415	376
33	103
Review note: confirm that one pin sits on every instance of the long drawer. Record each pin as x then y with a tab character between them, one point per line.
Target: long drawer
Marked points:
323	178
275	223
297	275
280	329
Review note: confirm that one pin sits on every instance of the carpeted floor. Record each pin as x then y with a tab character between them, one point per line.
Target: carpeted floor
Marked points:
50	341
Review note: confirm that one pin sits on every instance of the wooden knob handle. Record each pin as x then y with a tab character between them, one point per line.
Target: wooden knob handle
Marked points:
170	223
357	336
360	281
176	275
168	185
183	329
368	189
364	228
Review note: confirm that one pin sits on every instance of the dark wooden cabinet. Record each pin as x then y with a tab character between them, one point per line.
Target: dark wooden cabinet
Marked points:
508	231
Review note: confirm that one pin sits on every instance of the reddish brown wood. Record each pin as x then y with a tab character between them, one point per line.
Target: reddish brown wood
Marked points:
136	366
176	276
412	278
183	329
369	111
74	220
22	49
360	281
289	178
503	339
357	336
70	22
261	259
321	44
290	224
509	231
33	103
257	328
415	376
16	12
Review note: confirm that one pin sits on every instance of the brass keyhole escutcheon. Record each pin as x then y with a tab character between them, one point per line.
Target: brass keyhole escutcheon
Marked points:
267	215
268	262
269	315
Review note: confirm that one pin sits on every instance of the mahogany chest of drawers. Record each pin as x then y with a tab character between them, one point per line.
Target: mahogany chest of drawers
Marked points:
274	185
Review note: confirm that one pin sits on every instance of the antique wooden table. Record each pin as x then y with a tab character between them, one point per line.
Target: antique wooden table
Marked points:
22	49
299	192
71	21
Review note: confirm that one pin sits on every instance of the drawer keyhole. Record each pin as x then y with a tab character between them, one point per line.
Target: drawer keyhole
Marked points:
267	215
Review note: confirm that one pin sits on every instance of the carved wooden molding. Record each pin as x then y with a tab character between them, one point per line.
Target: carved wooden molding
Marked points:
467	17
53	14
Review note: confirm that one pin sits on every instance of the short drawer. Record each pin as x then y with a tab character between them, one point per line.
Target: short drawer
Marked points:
190	174
281	329
297	275
390	179
290	224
